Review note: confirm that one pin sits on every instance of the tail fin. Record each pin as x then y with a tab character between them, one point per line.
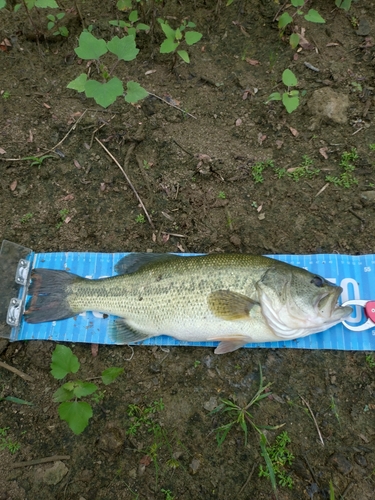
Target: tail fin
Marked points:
50	292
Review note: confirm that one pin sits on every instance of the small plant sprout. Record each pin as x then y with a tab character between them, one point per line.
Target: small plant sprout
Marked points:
280	456
71	409
257	172
25	218
140	219
63	215
6	443
221	195
130	26
372	147
173	39
285	19
346	179
303	170
370	360
343	4
53	23
37	160
290	98
5	94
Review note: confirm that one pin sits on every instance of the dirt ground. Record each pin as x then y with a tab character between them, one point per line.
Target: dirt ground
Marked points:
197	177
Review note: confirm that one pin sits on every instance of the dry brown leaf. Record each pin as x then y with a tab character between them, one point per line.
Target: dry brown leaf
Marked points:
323	152
238	122
145	460
68	197
2	151
13	185
253	62
77	164
279	144
294	131
46	105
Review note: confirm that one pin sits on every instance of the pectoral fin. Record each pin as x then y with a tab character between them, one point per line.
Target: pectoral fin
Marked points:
121	333
230	344
230	305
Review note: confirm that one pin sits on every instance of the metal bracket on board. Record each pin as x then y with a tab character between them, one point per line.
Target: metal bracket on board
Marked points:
15	266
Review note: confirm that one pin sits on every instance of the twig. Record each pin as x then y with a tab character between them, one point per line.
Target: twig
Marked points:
313	417
173	105
356	215
128	181
310	469
181	147
321	190
248	479
54	147
38	461
17	372
175	234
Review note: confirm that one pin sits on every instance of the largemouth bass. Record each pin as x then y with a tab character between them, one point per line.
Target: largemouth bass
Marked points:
231	298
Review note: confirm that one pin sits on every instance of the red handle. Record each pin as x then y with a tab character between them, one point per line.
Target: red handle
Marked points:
370	310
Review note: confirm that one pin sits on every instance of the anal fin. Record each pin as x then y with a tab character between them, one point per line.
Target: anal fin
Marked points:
121	333
230	344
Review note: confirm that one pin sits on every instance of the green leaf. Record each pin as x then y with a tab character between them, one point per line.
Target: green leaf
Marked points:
77	414
133	16
284	20
120	24
30	4
184	55
60	15
63	30
297	3
104	93
143	27
190	24
82	389
90	47
271	472
290	103
168	46
63	362
192	37
111	374
79	83
50	25
343	4
275	96
168	31
124	4
44	4
134	92
2	4
124	48
178	34
294	40
314	17
289	79
17	7
62	394
13	399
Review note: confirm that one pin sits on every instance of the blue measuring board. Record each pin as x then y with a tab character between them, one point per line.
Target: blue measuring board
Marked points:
355	274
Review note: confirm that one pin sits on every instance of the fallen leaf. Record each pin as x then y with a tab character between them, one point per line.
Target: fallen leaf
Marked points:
94	350
253	62
261	138
67	220
13	185
145	460
294	131
68	197
261	216
323	152
279	144
150	71
238	122
102	186
260	207
2	151
46	105
77	164
153	237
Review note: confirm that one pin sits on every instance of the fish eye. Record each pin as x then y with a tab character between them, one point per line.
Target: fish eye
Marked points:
317	281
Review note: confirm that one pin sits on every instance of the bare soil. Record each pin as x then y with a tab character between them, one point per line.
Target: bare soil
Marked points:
195	177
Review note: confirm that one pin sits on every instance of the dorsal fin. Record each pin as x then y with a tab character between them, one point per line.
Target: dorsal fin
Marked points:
135	261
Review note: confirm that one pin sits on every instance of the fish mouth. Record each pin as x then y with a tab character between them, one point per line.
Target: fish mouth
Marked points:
328	308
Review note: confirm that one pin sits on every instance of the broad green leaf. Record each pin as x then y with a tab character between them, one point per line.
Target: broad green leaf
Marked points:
120	24
178	34
62	394
184	55
284	20
343	4
17	7
143	27
229	2
82	389
133	16
192	37
60	15
90	47
104	93
77	414
134	92
63	30
63	362
297	3
111	374
124	4
289	78
30	4
44	4
50	25
275	96
168	46
294	40
132	32
190	24
314	17
13	399
168	31
79	83
2	4
124	48
290	103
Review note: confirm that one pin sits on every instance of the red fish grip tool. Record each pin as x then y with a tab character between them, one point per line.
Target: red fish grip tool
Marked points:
369	310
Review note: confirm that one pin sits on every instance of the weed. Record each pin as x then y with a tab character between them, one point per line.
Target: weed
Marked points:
168	494
304	170
334	409
37	160
5	95
146	165
343	4
143	416
76	413
221	195
196	363
6	443
285	19
331	490
257	171
25	218
54	24
290	98
140	219
357	87
173	38
280	456
370	360
63	215
129	26
372	147
346	178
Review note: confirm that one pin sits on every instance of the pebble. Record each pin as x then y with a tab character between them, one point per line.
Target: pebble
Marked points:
360	460
53	475
341	463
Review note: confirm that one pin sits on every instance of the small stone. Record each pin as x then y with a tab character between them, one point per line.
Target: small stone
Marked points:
363	27
235	240
111	440
326	104
360	459
211	404
341	463
52	475
368	195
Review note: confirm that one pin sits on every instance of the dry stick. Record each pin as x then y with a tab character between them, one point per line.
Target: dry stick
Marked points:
313	417
128	180
173	105
38	461
17	372
54	147
248	479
